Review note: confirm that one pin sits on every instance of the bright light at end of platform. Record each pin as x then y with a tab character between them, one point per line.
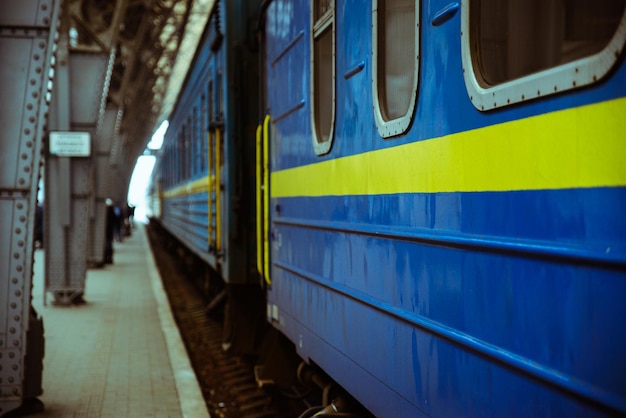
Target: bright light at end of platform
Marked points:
140	180
138	189
157	138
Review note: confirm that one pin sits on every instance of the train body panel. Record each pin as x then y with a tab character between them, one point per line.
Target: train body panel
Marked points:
472	266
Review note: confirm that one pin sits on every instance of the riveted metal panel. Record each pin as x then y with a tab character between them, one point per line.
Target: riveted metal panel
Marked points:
28	13
15	285
21	80
27	30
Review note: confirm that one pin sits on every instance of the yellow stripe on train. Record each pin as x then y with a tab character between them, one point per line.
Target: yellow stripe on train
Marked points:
574	148
201	185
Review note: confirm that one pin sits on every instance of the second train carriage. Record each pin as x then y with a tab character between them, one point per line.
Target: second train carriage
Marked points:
203	191
438	221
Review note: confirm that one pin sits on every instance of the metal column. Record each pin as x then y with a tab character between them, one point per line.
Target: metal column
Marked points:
106	133
83	73
27	31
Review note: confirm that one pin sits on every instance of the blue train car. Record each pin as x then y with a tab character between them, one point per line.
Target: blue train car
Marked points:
199	187
442	190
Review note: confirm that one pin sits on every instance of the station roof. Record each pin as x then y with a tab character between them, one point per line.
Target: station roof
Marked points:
154	42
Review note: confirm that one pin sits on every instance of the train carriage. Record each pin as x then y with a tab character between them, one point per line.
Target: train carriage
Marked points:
447	198
430	209
199	181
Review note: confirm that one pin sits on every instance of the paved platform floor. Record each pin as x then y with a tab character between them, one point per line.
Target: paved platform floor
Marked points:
120	353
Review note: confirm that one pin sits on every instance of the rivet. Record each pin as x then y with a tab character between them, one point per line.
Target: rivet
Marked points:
18	230
25	156
36	57
12	330
13	305
11	354
18	268
16	318
18	293
32	82
20	243
27	169
20	205
14	280
16	343
16	255
29	106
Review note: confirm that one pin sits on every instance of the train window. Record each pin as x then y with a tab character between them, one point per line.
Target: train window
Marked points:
180	153
395	56
220	95
323	74
210	111
197	142
188	148
203	134
517	50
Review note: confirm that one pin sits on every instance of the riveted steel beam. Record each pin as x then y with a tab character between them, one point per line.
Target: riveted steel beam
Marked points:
27	41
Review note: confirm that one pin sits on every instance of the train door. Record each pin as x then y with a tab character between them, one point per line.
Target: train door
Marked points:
215	161
262	200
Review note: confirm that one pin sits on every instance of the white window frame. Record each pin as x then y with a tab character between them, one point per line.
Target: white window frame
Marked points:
398	126
572	75
317	28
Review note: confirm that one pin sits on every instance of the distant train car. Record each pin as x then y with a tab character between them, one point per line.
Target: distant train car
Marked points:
431	208
446	227
198	177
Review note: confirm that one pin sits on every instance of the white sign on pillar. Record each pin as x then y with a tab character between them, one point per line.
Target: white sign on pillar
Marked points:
70	144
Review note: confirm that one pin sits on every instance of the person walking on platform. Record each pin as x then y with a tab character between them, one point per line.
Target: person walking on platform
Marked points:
118	221
109	232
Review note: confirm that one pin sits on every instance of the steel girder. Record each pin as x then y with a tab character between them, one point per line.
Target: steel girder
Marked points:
27	41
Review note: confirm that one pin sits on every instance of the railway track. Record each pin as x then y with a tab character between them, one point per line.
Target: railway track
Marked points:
227	381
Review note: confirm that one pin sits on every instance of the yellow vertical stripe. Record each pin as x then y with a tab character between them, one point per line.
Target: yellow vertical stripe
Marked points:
266	197
259	200
218	189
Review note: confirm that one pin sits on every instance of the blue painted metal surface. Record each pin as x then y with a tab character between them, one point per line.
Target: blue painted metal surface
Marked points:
442	304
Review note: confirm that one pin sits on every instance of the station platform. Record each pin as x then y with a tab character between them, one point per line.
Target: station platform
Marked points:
120	353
